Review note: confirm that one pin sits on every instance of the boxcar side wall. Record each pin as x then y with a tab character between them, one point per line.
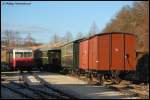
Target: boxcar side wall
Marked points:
84	55
117	52
130	52
108	52
103	61
93	53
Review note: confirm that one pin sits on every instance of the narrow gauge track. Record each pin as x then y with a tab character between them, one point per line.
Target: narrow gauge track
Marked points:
17	91
30	92
57	93
24	90
40	93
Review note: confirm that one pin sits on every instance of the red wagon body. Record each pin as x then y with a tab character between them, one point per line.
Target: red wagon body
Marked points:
83	56
109	51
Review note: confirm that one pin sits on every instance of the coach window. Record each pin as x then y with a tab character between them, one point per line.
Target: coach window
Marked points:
19	54
30	54
27	54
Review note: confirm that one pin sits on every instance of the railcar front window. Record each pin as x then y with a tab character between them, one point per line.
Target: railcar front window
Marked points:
19	54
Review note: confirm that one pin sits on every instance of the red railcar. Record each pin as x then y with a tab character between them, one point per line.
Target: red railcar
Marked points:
20	58
109	52
83	56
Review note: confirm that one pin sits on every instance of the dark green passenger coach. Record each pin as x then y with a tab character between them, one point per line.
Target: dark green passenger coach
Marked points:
54	57
70	55
48	59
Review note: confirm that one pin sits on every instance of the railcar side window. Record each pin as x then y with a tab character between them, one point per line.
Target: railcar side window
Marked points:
27	54
19	54
30	54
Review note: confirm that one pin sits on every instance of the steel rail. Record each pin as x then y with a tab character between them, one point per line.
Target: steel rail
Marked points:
17	91
46	84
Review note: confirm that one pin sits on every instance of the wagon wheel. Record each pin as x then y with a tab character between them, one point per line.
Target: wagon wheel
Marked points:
115	77
106	77
73	72
100	79
88	75
116	80
78	73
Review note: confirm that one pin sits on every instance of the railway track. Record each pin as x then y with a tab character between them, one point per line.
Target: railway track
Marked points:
44	90
18	86
17	91
35	91
56	93
41	91
7	93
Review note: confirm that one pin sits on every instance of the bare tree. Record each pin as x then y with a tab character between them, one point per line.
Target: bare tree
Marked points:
79	35
29	40
94	29
54	39
10	37
68	37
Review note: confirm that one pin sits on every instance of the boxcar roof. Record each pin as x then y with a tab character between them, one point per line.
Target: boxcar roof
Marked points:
99	34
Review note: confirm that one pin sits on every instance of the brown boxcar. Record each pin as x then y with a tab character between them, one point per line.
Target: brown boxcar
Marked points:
93	48
117	52
109	51
83	58
130	52
103	62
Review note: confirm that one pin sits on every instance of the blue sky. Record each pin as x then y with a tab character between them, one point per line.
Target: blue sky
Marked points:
44	18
